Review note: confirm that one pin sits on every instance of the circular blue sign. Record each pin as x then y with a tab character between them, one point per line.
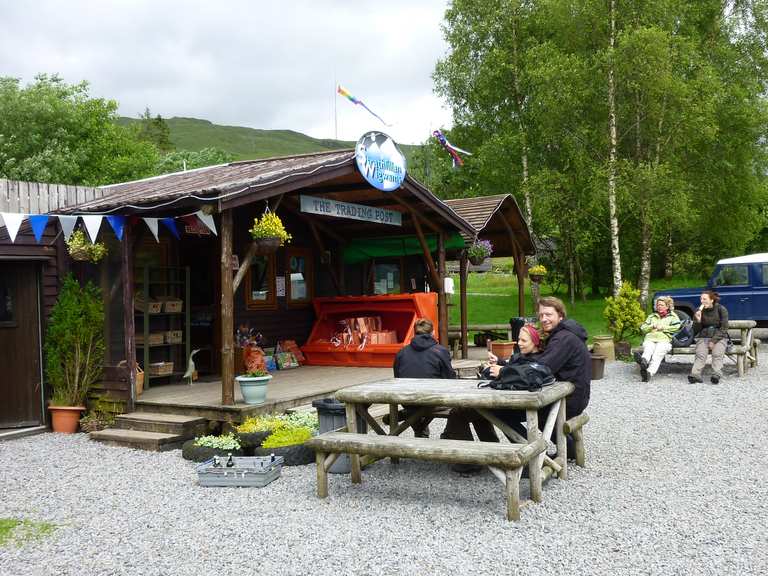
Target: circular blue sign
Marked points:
380	161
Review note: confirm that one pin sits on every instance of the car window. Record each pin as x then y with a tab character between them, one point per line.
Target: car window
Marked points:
733	275
765	273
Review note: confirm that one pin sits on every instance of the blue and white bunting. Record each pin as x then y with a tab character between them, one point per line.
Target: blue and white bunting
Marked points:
38	222
118	224
170	223
92	225
12	223
207	219
152	225
67	225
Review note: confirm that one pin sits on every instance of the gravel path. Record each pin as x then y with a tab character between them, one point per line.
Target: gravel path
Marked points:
665	492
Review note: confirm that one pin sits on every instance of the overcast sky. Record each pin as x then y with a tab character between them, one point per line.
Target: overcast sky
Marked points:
264	64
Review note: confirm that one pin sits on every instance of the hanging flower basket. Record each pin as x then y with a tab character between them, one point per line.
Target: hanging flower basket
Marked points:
477	260
81	249
537	273
268	245
479	251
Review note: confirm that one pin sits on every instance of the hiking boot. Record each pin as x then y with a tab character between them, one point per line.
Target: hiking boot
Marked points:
467	469
421	432
639	357
644	374
695	379
715	379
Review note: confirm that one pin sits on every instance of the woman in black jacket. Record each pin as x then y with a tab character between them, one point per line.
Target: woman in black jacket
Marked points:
710	325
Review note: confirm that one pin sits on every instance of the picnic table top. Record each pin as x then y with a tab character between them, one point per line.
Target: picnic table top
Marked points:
452	393
741	324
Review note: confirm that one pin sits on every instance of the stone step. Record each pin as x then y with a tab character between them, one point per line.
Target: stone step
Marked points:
154	441
187	426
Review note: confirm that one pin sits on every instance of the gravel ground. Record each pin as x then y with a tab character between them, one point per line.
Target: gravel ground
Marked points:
674	484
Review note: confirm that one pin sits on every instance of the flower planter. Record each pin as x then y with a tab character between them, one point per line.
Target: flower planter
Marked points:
251	440
254	388
538	278
65	419
266	246
477	260
203	453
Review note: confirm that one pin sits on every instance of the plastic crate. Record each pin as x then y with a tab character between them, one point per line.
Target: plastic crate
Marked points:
248	471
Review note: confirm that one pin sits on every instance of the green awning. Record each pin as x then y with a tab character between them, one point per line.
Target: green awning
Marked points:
365	249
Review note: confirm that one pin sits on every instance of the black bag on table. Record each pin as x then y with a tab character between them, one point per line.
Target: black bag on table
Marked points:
521	374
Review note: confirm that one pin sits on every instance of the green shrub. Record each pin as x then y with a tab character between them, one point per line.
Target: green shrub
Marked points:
287	437
74	343
275	423
623	312
223	442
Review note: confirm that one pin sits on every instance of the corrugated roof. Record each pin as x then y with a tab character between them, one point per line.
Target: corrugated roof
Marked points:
216	180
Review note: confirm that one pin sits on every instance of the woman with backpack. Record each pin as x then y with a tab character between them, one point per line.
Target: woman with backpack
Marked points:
659	328
710	324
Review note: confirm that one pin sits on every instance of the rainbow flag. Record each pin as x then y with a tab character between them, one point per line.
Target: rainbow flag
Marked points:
346	93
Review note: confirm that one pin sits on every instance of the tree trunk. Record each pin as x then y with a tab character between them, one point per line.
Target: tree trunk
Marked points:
615	252
645	260
669	257
519	105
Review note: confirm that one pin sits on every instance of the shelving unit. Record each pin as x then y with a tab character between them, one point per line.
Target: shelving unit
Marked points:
158	284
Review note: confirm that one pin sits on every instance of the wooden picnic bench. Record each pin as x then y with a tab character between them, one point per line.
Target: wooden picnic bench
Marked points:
742	352
505	460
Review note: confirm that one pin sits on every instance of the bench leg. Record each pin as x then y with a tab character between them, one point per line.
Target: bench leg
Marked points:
322	476
354	459
513	494
393	417
562	445
535	463
578	444
740	364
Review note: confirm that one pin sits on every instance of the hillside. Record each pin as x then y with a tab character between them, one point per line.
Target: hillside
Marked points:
247	143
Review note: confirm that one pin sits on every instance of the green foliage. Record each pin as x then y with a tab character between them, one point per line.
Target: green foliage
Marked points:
287	437
283	422
191	159
223	442
623	312
258	373
51	131
23	531
154	130
74	343
101	414
269	226
81	248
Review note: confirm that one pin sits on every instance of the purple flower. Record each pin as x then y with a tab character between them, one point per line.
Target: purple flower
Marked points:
480	249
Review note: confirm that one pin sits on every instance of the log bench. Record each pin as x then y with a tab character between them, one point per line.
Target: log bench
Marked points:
509	458
573	427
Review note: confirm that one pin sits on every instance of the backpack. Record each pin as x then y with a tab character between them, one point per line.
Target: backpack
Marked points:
684	336
521	374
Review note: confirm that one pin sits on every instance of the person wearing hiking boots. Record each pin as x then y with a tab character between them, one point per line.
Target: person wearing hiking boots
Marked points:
658	328
423	358
710	324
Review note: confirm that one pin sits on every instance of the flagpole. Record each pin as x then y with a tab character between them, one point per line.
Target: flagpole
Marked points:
335	118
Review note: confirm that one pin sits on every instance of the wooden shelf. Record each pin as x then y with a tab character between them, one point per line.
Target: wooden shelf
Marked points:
161	345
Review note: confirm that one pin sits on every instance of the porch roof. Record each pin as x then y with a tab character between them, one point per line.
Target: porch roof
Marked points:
490	215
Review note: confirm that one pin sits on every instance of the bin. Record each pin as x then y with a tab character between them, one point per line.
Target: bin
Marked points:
598	367
517	322
603	346
332	415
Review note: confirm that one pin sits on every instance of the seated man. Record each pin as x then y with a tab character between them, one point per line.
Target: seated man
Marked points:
565	353
423	358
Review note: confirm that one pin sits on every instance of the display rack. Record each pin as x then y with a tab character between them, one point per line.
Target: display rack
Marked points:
166	286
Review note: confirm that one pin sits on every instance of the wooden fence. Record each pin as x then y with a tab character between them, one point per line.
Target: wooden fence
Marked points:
40	198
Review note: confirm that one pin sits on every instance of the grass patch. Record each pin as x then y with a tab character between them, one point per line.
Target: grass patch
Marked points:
13	530
492	299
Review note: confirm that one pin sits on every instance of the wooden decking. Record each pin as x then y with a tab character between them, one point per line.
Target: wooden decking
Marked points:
287	389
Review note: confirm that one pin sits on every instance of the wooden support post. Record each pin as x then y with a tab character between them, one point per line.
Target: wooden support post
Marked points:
245	265
322	475
434	276
513	493
227	313
442	300
394	420
578	445
129	318
562	445
535	463
354	459
463	274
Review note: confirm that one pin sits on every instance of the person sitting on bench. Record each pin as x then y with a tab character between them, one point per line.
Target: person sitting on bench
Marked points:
423	358
659	328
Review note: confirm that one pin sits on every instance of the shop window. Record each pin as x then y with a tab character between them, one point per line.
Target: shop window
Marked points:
298	271
260	284
387	277
7	302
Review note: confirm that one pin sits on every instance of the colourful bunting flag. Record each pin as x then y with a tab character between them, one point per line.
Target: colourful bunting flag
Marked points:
207	219
67	225
152	225
451	149
12	223
170	223
117	223
344	92
92	225
38	223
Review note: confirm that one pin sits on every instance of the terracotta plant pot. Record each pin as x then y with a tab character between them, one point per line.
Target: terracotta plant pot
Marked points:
65	419
477	260
538	278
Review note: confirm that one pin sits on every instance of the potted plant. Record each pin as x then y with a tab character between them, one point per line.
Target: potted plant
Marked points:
284	435
268	233
204	448
479	251
253	386
536	273
624	315
74	350
80	248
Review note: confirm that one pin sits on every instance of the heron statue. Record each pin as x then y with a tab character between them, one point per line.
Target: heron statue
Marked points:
191	366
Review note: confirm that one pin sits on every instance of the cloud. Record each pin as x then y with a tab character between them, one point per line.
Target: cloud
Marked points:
268	65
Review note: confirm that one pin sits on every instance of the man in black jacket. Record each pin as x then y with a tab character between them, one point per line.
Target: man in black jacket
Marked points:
423	358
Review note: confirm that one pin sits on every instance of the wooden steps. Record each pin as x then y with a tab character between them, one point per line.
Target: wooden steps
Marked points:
151	431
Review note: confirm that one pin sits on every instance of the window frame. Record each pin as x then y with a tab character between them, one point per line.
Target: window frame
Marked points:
271	302
397	260
309	276
724	268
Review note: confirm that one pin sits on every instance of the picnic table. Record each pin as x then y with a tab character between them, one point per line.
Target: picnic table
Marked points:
504	460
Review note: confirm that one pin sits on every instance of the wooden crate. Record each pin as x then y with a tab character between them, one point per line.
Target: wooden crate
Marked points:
172	305
141	304
172	336
160	368
154	338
